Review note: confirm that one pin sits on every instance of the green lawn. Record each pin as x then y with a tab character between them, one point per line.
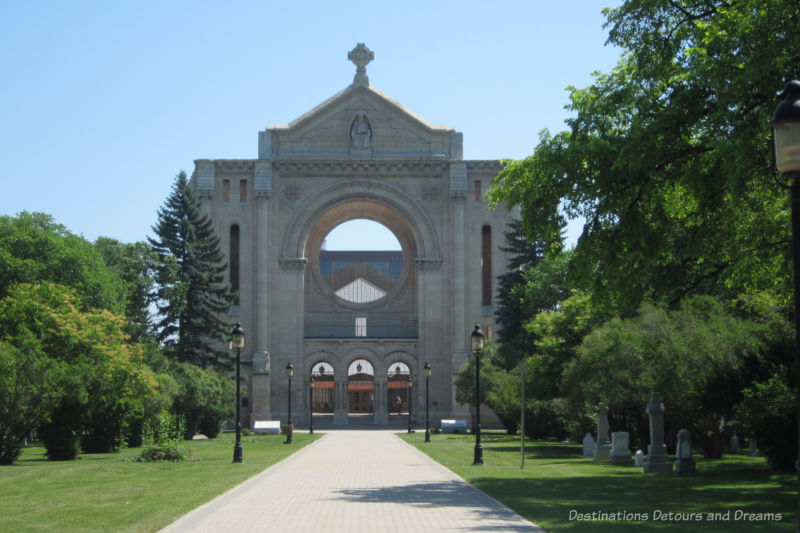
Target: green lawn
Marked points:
556	482
104	492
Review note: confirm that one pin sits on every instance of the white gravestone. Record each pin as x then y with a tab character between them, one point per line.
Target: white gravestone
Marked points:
639	460
588	445
620	452
684	464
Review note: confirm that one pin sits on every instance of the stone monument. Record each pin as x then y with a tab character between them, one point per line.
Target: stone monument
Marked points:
657	459
602	449
620	452
684	464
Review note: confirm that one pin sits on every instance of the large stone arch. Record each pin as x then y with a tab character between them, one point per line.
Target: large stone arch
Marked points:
372	200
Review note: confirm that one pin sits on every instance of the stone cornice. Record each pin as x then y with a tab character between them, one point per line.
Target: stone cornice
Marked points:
234	166
359	169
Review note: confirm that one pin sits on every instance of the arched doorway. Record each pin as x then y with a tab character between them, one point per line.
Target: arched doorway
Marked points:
399	385
360	388
322	396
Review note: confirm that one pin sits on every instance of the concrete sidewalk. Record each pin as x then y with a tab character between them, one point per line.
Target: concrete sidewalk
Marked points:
353	481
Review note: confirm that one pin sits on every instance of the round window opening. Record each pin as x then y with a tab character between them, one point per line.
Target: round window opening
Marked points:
361	261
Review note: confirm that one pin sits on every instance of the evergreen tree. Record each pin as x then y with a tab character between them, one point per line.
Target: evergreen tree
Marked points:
190	291
509	314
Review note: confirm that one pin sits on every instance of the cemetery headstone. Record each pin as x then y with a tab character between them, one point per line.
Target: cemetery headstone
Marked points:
733	445
588	445
657	459
684	464
639	459
620	452
602	448
753	445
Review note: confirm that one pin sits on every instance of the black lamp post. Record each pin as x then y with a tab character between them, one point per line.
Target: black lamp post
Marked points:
237	343
408	390
786	129
477	347
311	405
289	429
427	370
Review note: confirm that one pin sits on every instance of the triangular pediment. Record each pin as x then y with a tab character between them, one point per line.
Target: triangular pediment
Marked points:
364	123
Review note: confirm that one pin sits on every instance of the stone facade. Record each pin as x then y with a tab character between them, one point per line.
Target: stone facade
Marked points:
359	154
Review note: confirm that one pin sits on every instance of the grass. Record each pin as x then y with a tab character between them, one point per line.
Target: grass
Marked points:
556	482
105	492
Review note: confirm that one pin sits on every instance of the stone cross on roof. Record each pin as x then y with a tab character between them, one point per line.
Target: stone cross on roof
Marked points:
361	55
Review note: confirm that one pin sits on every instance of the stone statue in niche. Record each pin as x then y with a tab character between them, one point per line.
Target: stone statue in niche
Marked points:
360	132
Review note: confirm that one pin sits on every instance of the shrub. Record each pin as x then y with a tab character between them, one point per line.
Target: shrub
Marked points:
162	436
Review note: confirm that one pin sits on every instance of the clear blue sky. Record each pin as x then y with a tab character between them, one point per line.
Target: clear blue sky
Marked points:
102	103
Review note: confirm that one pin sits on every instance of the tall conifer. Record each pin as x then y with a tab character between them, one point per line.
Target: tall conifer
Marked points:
191	294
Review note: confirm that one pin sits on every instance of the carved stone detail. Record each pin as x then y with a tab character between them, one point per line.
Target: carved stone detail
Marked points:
291	192
428	263
431	193
361	56
204	194
293	263
360	132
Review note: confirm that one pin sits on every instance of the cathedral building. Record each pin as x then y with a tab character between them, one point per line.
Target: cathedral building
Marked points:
362	323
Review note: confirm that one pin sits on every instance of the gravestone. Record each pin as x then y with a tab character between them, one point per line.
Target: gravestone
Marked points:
602	448
657	459
639	460
620	453
733	445
684	464
588	445
753	445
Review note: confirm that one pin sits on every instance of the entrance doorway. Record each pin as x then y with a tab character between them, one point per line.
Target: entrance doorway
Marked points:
361	388
399	384
322	396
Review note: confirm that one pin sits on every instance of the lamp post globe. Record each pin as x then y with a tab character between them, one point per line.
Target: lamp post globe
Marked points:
237	343
785	126
427	370
477	347
289	429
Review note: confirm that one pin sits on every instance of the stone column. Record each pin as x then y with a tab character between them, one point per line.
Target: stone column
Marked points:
340	400
260	397
461	318
657	459
602	449
381	416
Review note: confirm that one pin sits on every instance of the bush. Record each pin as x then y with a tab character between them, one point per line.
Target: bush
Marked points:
60	435
162	437
768	413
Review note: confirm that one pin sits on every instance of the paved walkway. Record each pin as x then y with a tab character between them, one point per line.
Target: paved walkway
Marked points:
353	481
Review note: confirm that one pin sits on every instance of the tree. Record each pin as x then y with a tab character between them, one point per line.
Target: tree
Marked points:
695	356
203	398
191	294
667	157
35	248
134	263
513	340
92	379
